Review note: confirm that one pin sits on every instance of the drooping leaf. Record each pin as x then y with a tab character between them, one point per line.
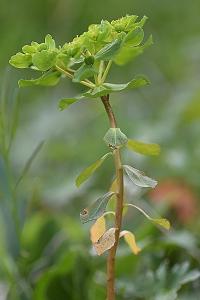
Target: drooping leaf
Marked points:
161	222
130	240
21	60
96	209
114	138
85	71
108	88
85	174
105	242
143	148
139	178
48	79
44	60
65	103
97	229
109	51
157	221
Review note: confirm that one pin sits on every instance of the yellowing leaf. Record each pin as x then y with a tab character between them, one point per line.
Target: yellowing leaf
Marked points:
143	148
162	222
114	186
130	240
105	242
85	174
98	229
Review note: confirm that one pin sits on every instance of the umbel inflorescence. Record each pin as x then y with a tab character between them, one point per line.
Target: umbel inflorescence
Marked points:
87	61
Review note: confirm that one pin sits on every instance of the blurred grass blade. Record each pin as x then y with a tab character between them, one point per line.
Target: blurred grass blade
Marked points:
143	148
157	221
29	163
14	120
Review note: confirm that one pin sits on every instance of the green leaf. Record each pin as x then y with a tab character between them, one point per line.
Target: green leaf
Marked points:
109	51
49	41
143	148
21	60
62	60
48	79
138	177
85	71
128	53
96	209
114	138
65	103
108	88
85	174
44	60
133	38
28	49
158	221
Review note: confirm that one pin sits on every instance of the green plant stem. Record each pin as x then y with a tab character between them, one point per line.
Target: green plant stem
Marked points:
68	74
106	71
101	69
119	206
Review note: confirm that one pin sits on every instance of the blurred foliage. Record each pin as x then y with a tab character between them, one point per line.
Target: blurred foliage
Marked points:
45	251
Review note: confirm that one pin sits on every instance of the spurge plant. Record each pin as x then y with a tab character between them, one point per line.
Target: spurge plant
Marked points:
87	60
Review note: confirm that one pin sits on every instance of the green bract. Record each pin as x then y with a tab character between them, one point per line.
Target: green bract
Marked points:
87	58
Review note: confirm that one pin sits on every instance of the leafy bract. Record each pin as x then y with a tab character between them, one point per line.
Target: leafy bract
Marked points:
133	38
96	209
143	148
85	71
109	51
114	138
21	60
85	174
108	88
129	52
130	240
66	102
49	41
157	221
97	229
105	242
44	60
48	79
139	178
117	41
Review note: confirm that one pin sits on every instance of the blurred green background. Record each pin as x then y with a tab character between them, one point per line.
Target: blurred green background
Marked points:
45	252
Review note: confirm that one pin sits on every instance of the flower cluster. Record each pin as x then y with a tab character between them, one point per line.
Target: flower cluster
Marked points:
119	40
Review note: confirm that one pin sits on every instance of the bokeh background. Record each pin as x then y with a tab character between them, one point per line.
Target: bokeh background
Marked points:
45	252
